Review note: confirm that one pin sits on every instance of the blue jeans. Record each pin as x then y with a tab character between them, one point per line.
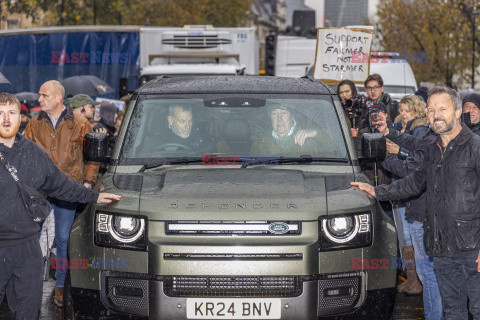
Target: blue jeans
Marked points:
405	224
459	280
432	301
64	212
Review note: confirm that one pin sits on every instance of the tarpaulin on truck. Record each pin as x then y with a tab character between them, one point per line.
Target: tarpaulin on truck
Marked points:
29	59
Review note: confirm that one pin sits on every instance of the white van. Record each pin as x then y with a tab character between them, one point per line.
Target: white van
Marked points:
295	57
397	75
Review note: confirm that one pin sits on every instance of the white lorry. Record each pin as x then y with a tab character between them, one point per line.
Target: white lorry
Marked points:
197	50
294	56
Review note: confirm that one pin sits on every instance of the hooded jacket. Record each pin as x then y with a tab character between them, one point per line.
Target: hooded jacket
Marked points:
451	177
36	169
64	144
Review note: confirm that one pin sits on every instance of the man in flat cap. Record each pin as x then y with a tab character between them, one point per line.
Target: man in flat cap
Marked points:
83	105
289	137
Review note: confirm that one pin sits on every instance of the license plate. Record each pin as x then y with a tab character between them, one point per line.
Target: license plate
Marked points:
235	308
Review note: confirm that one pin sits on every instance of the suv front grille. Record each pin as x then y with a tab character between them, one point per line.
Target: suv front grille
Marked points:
238	286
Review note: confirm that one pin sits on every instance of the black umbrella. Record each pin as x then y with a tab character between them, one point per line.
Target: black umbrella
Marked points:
464	93
27	96
86	84
5	85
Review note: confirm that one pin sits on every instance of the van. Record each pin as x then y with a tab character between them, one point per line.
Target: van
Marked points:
294	56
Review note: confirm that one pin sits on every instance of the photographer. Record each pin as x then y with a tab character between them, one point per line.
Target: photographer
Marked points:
352	104
376	93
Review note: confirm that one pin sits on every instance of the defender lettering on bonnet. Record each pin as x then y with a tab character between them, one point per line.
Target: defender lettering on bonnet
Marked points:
236	206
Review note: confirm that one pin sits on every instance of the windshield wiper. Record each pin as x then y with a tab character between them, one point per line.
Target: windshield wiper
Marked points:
184	160
302	159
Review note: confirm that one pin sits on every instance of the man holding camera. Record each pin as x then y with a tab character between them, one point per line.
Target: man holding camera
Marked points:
376	93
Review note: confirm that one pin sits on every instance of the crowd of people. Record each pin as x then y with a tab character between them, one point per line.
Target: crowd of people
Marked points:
432	173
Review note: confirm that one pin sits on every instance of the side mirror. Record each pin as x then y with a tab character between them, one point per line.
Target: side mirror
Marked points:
374	147
95	147
126	84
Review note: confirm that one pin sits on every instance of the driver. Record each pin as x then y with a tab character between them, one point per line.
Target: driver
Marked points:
181	130
289	136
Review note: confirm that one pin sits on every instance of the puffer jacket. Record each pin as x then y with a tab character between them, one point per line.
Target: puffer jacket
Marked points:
451	177
64	145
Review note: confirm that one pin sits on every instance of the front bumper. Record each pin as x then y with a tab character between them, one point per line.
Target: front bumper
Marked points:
306	297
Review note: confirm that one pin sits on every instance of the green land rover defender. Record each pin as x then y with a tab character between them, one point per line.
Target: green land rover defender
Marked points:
236	204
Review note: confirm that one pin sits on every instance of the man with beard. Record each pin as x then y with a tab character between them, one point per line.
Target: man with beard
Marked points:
60	132
20	254
450	174
289	137
182	130
83	105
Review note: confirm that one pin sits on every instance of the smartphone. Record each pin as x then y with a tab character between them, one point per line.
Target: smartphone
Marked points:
374	118
96	116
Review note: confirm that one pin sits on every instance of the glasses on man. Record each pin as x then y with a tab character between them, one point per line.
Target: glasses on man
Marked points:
373	88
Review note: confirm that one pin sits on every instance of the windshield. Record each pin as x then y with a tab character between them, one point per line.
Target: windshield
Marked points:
242	126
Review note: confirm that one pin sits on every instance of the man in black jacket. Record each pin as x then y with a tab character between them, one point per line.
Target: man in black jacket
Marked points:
415	213
20	253
471	105
450	174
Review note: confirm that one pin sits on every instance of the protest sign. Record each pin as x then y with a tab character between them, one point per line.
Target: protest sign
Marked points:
342	53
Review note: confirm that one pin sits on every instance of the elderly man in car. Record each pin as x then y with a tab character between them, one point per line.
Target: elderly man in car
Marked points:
290	137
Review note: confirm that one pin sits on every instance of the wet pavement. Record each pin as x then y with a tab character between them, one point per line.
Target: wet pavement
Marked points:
410	308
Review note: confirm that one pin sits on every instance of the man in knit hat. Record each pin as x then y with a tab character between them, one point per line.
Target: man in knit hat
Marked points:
83	105
471	104
24	117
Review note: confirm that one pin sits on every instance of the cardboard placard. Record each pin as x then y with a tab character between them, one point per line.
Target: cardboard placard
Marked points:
343	53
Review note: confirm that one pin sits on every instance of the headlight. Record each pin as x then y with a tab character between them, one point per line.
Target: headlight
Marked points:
120	231
126	229
342	228
343	232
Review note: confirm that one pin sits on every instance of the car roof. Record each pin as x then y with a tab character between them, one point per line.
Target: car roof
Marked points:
233	84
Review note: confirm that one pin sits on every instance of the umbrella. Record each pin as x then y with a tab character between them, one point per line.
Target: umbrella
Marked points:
86	84
27	96
5	85
464	93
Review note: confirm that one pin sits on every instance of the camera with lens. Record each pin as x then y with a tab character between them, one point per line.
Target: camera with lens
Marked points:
353	108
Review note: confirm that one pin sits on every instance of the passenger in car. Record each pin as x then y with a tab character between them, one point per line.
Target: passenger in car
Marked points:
290	137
